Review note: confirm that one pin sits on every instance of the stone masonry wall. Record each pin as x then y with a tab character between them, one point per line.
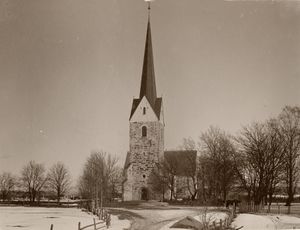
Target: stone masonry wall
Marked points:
145	152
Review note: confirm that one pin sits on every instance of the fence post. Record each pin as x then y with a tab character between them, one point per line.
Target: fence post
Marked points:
234	209
221	224
79	226
108	221
51	227
95	227
101	214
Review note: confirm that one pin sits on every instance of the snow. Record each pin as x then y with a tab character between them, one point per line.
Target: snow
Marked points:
251	222
248	221
210	216
35	218
117	224
163	215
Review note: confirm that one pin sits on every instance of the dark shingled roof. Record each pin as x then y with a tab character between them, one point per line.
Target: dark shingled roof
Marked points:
158	106
127	161
148	86
135	103
183	161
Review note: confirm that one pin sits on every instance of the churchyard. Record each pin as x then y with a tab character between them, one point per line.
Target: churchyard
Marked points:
147	216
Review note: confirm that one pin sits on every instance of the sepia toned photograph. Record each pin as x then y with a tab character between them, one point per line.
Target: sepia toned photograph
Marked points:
149	114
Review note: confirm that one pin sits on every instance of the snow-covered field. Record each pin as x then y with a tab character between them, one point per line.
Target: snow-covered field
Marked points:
32	218
249	221
254	222
41	218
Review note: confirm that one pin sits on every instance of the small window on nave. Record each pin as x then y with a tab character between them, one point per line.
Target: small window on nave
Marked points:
144	110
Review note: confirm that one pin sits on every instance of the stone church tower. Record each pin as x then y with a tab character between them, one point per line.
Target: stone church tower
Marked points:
146	124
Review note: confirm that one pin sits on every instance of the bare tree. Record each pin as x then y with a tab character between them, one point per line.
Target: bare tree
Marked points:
191	171
245	174
164	176
95	182
159	180
254	150
275	164
7	184
113	174
59	180
33	179
290	128
188	144
202	178
115	182
218	152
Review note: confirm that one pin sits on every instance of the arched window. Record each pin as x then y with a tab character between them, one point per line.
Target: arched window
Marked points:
144	131
144	110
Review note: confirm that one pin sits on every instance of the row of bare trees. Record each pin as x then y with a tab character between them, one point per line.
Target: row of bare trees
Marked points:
260	160
101	178
34	179
268	156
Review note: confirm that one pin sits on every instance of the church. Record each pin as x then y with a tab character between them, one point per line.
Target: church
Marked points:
146	134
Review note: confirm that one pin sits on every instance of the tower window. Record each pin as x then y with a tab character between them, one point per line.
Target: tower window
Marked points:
144	131
144	110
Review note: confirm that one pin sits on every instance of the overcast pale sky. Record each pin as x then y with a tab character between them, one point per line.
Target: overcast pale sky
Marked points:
70	68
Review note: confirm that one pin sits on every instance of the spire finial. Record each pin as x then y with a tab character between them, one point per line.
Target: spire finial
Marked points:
149	9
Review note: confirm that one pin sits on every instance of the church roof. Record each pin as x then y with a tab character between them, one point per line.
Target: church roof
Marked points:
127	161
183	161
148	86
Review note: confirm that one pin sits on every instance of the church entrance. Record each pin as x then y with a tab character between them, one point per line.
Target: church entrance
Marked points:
144	195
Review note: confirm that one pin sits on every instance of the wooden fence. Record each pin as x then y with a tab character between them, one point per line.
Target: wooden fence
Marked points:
104	221
222	223
95	225
275	208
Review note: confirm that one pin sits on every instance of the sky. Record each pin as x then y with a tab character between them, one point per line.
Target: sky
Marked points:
69	70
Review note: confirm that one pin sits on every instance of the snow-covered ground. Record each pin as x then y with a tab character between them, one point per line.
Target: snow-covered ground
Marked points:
34	218
254	222
209	216
248	221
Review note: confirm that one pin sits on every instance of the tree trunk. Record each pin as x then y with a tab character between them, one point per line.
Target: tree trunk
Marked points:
290	184
58	195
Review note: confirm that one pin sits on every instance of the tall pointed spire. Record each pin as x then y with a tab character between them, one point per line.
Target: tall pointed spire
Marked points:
148	86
